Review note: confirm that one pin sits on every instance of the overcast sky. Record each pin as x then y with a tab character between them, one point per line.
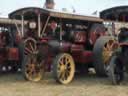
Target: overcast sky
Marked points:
81	6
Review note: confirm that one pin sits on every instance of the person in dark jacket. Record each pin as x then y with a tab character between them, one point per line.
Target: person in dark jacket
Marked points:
123	35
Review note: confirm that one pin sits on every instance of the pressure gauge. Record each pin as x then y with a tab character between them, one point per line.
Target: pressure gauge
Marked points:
32	25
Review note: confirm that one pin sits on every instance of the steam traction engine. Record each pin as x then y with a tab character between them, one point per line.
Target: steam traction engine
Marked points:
61	42
9	51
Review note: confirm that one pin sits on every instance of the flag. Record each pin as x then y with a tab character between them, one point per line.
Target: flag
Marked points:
95	12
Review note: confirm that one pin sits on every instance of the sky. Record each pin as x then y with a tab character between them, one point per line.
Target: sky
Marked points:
86	7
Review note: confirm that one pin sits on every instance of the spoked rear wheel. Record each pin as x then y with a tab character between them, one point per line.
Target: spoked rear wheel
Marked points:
115	71
64	68
103	50
33	65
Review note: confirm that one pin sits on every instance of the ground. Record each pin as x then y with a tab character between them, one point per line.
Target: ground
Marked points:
88	85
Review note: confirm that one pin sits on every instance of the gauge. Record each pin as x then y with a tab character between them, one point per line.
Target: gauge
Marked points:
32	25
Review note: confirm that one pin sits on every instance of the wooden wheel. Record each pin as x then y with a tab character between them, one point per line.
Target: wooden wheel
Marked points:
33	68
102	50
64	68
30	46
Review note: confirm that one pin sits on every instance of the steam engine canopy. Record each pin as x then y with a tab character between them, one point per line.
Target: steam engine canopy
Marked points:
119	13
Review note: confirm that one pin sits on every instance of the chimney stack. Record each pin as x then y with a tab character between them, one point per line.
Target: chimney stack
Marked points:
49	4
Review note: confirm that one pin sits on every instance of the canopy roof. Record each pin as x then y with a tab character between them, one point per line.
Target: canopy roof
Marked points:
119	13
8	22
16	14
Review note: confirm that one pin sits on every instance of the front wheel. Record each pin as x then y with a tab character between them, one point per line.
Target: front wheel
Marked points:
115	70
63	68
33	69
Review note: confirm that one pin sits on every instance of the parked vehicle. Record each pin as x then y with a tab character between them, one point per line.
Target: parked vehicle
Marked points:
65	43
9	51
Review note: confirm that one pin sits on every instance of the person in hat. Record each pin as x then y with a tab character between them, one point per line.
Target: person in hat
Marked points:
49	4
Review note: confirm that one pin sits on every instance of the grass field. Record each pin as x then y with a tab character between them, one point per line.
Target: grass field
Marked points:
90	85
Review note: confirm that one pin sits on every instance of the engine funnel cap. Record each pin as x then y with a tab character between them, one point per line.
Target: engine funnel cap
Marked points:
50	2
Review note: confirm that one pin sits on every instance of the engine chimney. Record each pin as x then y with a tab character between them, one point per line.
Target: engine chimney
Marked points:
49	4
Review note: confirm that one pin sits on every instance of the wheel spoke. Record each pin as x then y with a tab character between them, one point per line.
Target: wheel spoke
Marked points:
67	61
108	46
35	47
65	76
30	44
61	69
67	73
28	50
61	63
61	75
